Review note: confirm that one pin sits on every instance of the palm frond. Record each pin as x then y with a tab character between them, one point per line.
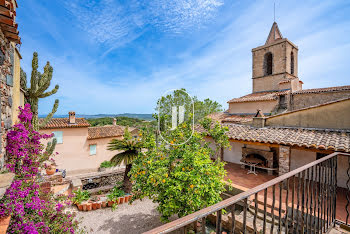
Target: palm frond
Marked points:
127	157
130	147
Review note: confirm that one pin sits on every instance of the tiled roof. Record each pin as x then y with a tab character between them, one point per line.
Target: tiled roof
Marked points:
226	117
321	90
238	119
64	123
317	139
261	96
218	116
105	131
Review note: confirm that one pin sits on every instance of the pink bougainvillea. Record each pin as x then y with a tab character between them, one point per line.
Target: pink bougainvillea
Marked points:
31	210
24	148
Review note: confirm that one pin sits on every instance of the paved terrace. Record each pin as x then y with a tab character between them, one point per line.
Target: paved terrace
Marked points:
241	180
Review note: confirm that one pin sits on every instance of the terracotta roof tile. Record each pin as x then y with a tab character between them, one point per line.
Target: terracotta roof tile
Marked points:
261	96
321	90
318	139
64	123
105	131
218	116
238	119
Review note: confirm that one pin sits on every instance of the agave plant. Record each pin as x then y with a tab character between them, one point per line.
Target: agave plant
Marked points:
130	148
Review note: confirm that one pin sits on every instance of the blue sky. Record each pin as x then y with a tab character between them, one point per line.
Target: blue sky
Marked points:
114	56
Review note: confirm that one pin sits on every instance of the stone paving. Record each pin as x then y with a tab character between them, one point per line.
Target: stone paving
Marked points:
139	217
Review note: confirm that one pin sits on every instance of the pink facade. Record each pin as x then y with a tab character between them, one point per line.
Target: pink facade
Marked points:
74	151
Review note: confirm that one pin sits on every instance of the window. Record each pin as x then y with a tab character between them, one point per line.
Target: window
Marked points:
268	63
292	63
9	77
59	136
92	149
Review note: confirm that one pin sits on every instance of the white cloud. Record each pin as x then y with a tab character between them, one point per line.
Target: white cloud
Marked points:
109	22
219	70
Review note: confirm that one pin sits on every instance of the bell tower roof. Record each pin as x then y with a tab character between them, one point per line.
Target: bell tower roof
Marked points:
274	35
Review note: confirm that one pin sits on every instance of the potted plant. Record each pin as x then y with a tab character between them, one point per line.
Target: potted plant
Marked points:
98	205
88	206
79	197
94	201
103	201
84	205
115	196
50	169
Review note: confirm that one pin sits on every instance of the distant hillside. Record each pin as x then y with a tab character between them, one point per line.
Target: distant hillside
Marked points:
130	115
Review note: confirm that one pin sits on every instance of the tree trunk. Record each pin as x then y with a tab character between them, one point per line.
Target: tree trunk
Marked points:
127	183
222	154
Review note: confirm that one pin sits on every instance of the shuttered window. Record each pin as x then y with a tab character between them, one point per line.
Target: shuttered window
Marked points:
92	149
9	77
59	136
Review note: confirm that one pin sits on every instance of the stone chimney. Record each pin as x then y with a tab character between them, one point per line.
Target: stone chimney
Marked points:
114	121
71	117
259	119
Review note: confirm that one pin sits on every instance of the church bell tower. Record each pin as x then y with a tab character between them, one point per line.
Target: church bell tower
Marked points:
275	64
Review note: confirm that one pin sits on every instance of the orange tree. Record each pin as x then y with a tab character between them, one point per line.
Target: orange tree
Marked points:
181	179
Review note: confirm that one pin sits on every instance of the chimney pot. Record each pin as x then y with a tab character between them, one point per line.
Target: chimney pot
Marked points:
71	117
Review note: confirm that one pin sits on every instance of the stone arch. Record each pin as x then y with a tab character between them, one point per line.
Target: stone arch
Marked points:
268	63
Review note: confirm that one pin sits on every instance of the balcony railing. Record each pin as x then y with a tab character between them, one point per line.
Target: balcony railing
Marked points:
301	201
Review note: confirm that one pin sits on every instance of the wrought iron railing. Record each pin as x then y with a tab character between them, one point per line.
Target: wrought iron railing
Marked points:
301	201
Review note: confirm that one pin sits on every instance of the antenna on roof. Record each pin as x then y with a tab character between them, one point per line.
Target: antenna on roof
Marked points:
274	12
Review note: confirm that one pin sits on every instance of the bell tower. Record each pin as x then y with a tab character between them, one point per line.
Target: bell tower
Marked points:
275	64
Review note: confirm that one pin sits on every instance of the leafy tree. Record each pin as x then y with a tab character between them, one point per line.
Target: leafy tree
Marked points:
181	179
123	121
201	108
217	132
130	148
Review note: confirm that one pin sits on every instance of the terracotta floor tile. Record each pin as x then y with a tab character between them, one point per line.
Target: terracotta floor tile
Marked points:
239	177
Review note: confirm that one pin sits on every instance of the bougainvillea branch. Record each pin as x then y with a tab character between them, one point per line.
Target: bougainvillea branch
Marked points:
31	210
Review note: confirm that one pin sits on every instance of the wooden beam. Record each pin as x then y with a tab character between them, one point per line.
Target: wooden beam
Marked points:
6	20
9	28
313	150
3	10
11	35
255	143
277	145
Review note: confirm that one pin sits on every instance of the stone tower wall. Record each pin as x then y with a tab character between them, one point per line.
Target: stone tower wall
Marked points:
281	68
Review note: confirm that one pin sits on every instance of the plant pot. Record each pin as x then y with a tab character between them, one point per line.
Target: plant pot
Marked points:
94	205
121	200
84	206
51	171
104	204
126	198
80	207
88	206
129	197
110	203
98	205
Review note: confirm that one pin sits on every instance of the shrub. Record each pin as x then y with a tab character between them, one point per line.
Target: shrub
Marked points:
115	193
32	210
181	179
106	164
80	196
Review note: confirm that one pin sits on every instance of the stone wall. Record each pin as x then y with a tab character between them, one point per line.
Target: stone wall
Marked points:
281	68
6	83
251	107
330	116
283	160
304	100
